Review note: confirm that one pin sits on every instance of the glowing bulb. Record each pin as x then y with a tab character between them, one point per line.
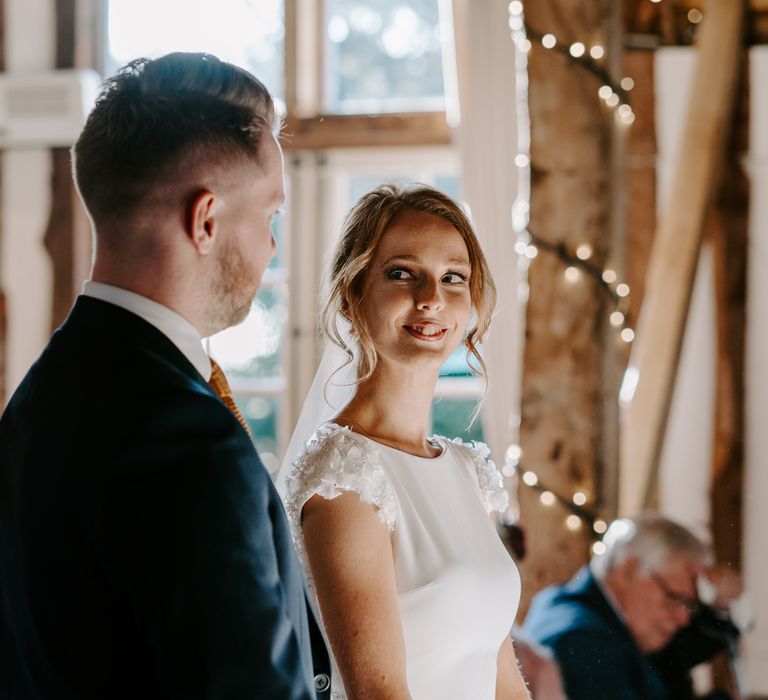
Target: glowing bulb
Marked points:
579	498
513	454
530	479
548	41
600	526
629	118
612	100
524	45
616	318
577	49
695	16
515	22
522	160
598	548
547	498
622	289
520	247
573	522
627	335
627	83
609	276
584	251
515	7
624	110
572	274
605	92
531	252
597	52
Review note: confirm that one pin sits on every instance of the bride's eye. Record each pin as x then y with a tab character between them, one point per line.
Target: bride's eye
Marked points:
398	273
454	278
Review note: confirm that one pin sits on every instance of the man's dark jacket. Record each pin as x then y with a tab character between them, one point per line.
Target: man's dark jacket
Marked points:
598	657
144	552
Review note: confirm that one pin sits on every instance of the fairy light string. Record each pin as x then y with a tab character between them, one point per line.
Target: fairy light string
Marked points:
580	261
577	262
615	94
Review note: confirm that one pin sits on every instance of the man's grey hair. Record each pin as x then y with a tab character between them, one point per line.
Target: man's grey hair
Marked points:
651	539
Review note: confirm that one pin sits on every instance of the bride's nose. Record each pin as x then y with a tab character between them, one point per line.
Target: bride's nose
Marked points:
428	295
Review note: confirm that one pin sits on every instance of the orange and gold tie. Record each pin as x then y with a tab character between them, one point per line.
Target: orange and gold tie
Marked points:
220	385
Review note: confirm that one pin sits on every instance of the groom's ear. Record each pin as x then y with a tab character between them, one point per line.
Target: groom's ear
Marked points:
201	223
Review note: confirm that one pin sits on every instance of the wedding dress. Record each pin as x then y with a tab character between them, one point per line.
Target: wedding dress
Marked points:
458	589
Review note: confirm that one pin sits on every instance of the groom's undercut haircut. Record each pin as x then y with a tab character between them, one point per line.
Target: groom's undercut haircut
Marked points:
157	121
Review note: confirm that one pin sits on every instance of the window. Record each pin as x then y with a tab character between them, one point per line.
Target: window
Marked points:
354	172
378	56
248	33
383	56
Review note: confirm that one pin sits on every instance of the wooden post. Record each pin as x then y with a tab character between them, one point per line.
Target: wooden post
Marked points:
675	253
727	228
59	237
562	414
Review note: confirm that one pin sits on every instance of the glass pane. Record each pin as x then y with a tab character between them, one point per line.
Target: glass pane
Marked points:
450	185
248	33
456	365
383	56
278	231
260	412
360	185
450	417
253	348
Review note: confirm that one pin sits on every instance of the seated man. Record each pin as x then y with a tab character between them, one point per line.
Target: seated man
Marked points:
630	626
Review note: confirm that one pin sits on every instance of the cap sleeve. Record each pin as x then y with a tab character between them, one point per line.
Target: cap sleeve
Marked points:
494	496
336	460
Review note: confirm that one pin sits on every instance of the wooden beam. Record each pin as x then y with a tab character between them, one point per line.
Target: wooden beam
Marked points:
675	252
364	130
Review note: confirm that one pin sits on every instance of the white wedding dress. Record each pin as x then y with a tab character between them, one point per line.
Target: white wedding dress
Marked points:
458	588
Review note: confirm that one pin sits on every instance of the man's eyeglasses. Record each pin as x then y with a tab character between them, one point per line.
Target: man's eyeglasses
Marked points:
691	605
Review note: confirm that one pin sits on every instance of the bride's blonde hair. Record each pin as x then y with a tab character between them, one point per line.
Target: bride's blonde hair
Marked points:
363	228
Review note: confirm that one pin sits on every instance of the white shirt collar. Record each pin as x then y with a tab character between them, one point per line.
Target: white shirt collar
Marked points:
178	330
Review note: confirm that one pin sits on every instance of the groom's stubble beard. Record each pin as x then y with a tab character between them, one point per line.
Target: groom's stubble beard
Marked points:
233	288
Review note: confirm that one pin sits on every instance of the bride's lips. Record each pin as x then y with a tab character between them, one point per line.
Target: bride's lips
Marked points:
426	331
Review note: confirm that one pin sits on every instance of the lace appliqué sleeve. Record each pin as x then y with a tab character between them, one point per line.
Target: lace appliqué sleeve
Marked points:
494	495
333	461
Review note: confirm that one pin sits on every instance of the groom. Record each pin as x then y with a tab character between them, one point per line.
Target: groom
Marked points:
143	550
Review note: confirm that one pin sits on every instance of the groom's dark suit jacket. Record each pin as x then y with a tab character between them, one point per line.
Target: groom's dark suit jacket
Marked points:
144	552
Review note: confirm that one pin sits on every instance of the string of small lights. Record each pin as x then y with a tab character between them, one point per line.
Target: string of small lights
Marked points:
614	95
580	512
580	261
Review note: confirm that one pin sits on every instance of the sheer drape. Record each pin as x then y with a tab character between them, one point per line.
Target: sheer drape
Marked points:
486	129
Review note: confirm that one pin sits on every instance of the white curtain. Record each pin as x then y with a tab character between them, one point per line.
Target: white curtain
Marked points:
484	82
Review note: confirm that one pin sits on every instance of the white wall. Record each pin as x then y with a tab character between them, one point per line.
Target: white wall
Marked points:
686	455
25	270
756	444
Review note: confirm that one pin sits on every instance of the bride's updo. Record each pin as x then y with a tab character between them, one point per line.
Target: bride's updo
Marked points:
363	228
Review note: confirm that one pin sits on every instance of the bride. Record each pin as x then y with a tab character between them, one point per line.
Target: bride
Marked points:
416	592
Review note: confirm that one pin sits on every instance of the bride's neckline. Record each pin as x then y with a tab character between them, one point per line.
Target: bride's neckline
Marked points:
433	440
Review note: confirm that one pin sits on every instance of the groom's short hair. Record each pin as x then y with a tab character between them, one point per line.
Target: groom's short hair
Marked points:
156	121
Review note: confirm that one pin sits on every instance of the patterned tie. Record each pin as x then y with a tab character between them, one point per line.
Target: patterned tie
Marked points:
220	385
